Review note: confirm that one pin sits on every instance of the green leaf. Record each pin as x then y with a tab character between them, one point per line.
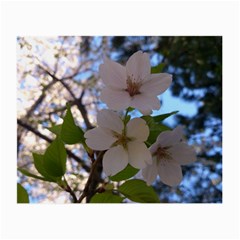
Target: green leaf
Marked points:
22	195
155	128
56	129
27	173
38	163
70	133
109	186
160	118
154	133
138	191
158	68
130	109
106	197
157	119
149	120
126	173
54	159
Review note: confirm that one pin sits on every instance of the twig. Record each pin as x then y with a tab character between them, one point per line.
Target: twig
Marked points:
40	99
69	190
78	101
91	176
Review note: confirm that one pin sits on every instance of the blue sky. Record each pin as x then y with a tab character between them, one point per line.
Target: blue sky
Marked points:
171	103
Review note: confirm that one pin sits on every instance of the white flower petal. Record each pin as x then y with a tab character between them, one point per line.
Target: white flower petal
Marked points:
138	66
137	129
115	99
145	103
164	139
146	112
157	84
115	160
154	147
150	173
113	74
182	153
178	133
110	120
98	139
170	137
170	173
139	155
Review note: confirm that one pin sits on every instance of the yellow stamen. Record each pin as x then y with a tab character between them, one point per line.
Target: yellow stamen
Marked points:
122	139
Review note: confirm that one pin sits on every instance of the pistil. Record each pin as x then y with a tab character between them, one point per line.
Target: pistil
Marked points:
133	87
163	155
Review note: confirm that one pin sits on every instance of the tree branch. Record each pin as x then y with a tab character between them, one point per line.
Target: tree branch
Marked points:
40	99
78	101
69	190
89	189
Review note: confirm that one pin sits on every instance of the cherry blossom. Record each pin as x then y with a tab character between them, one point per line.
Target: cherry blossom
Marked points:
169	153
133	85
124	144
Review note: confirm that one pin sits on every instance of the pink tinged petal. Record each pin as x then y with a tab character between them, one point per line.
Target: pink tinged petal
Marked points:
170	173
150	173
166	139
178	133
110	120
146	112
138	154
115	160
170	138
153	148
137	129
182	153
138	66
115	99
113	74
157	84
98	139
145	103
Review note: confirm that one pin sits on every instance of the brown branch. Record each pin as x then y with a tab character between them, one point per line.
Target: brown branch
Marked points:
69	190
33	130
40	99
90	186
78	101
36	132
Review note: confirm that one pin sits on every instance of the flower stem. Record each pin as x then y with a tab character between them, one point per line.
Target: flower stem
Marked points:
68	189
86	190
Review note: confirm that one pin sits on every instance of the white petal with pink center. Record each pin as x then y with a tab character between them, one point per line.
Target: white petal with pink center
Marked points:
124	144
169	153
133	85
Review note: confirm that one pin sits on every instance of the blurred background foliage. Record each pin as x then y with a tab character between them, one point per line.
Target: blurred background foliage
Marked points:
54	71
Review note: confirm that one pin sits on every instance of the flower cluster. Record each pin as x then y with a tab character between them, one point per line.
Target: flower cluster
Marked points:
123	139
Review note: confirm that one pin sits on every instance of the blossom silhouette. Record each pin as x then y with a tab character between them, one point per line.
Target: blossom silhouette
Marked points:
124	144
169	153
133	85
